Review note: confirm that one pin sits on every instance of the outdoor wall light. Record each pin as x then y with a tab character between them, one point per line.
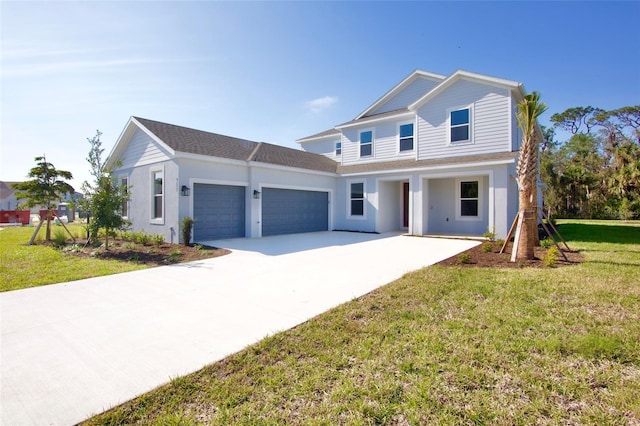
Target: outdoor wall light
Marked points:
185	190
256	194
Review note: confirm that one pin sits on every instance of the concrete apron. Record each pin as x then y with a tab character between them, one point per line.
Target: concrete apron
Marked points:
72	350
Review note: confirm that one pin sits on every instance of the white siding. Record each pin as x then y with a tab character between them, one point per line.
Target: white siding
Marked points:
385	144
489	123
142	150
414	91
326	147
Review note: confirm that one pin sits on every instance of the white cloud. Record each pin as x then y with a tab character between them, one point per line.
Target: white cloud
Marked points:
318	105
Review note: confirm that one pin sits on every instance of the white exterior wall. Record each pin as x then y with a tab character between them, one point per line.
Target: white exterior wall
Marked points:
326	147
386	143
490	122
440	198
140	203
342	221
142	150
414	91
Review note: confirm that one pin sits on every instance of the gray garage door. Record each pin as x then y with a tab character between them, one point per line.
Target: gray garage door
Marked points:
219	212
286	211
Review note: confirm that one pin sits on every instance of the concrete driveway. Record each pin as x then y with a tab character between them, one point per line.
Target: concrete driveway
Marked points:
68	351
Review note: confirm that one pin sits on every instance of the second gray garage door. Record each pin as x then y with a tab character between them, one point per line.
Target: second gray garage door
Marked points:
218	211
287	211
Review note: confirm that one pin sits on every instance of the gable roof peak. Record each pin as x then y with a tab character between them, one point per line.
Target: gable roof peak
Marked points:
414	75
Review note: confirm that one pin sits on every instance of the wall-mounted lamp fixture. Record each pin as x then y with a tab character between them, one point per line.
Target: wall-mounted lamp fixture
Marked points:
256	194
185	190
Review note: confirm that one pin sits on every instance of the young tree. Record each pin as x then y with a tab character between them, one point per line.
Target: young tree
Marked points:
527	175
104	197
46	187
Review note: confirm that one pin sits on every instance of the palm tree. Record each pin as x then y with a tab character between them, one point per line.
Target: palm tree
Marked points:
529	109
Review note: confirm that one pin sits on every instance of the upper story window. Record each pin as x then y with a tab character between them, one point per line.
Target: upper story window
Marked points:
460	125
356	197
406	137
366	143
338	148
158	195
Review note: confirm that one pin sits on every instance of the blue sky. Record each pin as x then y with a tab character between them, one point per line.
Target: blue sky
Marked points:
276	72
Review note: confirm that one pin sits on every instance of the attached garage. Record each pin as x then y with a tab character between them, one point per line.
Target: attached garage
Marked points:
218	211
288	211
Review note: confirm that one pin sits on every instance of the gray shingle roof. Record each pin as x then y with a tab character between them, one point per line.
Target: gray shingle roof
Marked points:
375	116
411	164
330	132
193	141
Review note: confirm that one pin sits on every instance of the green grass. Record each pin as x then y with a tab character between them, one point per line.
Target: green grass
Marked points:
23	266
441	346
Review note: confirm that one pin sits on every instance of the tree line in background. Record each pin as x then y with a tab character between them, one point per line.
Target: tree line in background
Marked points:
596	173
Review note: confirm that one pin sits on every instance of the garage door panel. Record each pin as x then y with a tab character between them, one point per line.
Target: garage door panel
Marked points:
219	212
286	211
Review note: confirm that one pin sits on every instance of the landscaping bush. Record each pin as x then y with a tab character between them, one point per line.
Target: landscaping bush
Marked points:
490	235
546	243
158	239
487	247
187	226
59	237
551	257
464	258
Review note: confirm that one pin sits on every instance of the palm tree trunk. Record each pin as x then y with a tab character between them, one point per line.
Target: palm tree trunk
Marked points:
525	249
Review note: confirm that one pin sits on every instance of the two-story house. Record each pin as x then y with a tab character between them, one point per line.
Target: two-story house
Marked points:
434	155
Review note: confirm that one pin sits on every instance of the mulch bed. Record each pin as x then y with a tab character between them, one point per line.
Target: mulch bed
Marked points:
478	258
150	255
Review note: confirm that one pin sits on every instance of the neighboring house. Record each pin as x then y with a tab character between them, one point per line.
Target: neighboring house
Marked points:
8	199
434	155
9	202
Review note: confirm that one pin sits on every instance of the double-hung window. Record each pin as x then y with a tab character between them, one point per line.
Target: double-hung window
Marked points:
405	133
356	197
469	199
460	125
338	148
366	143
158	195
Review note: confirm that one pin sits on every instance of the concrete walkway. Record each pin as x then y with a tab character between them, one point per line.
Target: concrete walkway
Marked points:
68	351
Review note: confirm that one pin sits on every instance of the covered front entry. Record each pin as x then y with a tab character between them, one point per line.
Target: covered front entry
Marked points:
458	205
218	211
394	207
289	211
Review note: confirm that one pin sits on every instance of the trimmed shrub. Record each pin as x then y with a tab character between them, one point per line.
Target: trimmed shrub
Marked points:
187	226
551	257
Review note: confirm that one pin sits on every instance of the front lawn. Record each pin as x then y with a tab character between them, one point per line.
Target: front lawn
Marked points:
442	345
23	266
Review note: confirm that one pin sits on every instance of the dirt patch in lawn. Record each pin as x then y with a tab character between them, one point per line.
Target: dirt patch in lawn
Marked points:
150	255
482	256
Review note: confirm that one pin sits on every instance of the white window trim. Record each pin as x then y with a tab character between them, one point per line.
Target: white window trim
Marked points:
469	141
480	181
364	200
157	220
120	179
402	123
335	149
373	139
